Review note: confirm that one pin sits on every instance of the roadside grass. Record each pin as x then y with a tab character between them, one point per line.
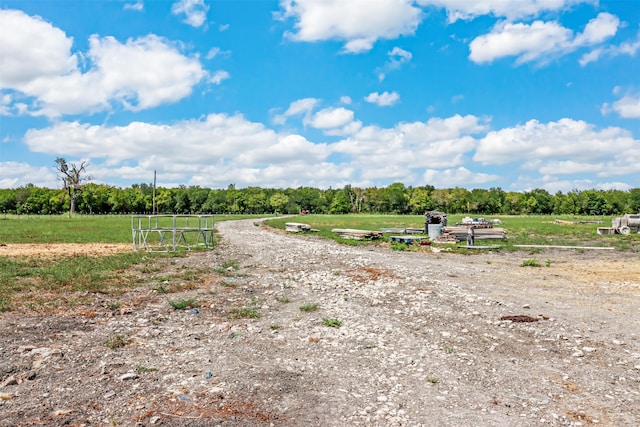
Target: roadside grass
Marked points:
108	274
309	307
75	229
43	282
520	229
184	303
36	282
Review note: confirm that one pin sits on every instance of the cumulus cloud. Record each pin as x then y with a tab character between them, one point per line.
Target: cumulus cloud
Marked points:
32	49
302	106
510	9
14	173
564	147
436	142
627	107
335	121
138	74
540	40
458	177
195	11
384	99
215	143
359	23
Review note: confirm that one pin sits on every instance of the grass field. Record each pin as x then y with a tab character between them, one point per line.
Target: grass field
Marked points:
520	230
40	283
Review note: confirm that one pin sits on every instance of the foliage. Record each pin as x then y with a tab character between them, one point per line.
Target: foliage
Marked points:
309	307
332	322
530	263
396	198
184	303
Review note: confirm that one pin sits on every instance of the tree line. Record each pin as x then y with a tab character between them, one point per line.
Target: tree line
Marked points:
396	198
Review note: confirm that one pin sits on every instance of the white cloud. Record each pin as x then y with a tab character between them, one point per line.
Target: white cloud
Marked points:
384	99
627	107
459	177
209	150
510	9
137	6
216	51
14	175
538	41
396	58
300	106
331	118
437	142
335	121
195	11
219	76
346	100
626	48
32	49
359	23
38	64
564	147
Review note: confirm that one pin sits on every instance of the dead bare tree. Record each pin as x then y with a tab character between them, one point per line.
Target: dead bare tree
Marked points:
73	178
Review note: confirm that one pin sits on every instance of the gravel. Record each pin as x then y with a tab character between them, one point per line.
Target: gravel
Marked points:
397	339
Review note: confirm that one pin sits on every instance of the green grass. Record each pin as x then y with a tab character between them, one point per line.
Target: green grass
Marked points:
245	313
530	263
184	303
309	307
332	322
77	229
520	229
69	274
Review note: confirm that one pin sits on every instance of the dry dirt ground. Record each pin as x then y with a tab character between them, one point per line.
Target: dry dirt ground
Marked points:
424	340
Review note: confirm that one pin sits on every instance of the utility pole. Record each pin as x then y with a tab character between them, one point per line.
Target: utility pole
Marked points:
154	209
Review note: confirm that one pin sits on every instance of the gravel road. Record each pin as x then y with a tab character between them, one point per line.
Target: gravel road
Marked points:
386	338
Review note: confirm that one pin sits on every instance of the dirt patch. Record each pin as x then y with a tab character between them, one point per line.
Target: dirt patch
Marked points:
425	339
62	249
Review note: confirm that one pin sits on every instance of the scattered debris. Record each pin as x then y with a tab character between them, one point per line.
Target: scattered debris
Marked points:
520	318
354	234
297	227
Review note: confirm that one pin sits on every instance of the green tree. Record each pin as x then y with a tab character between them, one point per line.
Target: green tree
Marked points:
279	202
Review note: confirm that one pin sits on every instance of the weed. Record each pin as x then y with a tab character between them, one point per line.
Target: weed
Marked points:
547	262
245	313
433	380
275	327
530	263
162	288
449	350
113	306
5	304
117	341
309	307
229	283
227	267
184	303
399	246
283	299
332	322
141	369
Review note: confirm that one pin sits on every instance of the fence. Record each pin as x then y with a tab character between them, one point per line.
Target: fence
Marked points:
170	233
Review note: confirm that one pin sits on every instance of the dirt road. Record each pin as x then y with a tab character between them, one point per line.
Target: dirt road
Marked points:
299	331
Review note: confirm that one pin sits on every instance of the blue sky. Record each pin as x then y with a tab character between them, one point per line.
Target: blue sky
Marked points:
517	94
